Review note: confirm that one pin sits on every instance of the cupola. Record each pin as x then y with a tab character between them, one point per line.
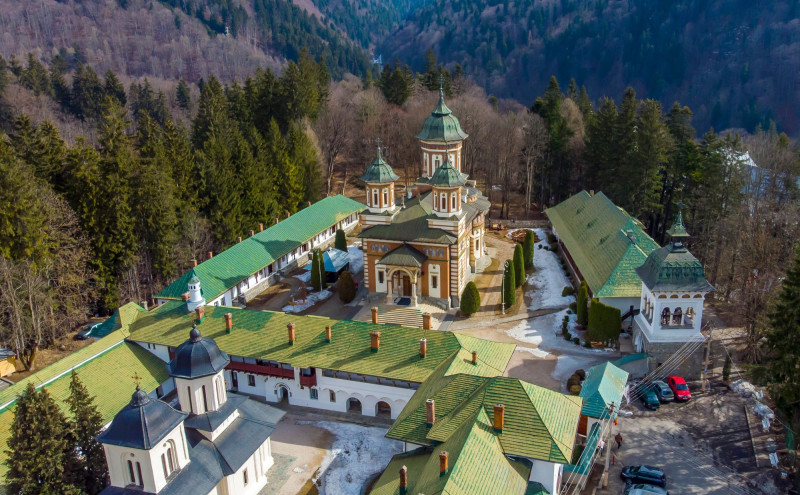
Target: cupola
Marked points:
446	183
379	179
198	367
196	298
441	137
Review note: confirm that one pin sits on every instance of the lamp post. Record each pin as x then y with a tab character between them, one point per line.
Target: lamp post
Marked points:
503	289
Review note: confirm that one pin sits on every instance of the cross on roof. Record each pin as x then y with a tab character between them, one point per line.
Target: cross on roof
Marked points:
137	379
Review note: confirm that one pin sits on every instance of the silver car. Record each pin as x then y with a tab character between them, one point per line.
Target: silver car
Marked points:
643	489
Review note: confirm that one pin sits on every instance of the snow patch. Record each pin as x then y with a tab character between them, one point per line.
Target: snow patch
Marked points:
549	279
535	351
357	453
311	300
567	365
356	259
304	277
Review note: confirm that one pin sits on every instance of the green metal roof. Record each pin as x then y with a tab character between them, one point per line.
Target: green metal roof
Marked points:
539	423
536	488
245	258
446	175
630	358
606	244
121	317
476	465
263	335
604	384
105	367
379	171
442	125
405	255
584	464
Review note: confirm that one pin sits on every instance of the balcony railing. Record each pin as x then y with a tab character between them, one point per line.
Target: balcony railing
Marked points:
308	381
258	369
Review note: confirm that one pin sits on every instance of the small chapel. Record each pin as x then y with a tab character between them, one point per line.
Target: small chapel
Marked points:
428	241
215	442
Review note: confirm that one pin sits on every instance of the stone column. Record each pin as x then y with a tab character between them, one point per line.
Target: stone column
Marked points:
414	291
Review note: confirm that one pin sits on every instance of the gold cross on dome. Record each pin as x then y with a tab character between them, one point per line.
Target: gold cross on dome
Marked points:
137	379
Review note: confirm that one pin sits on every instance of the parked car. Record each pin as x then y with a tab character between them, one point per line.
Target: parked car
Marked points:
662	390
649	399
679	388
644	489
644	474
86	332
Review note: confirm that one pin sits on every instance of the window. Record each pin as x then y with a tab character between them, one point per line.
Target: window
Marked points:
314	393
244	476
332	395
380	276
434	282
205	399
444	202
189	393
251	380
139	472
164	465
453	201
131	473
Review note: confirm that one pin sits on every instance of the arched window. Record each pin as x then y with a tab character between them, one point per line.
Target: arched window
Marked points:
220	390
139	472
131	473
444	202
189	395
205	400
677	316
665	316
689	316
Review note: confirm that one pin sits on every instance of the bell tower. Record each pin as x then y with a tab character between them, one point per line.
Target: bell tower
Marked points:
379	179
446	183
441	138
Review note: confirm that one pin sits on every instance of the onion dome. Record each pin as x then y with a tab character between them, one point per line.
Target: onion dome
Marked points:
673	267
447	176
142	424
197	357
194	280
379	172
442	125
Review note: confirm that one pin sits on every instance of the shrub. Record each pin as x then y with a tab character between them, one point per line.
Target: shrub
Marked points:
605	322
581	374
470	299
527	249
519	266
575	390
576	341
726	368
551	239
587	344
567	336
340	242
509	286
573	307
573	380
540	247
583	310
346	287
317	271
567	291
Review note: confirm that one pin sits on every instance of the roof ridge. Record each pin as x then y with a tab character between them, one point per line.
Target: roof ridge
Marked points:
563	449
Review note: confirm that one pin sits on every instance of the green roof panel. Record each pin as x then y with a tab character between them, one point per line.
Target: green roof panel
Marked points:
604	384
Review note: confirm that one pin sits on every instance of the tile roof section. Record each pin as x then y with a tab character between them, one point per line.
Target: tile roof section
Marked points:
245	258
604	384
263	335
405	255
606	244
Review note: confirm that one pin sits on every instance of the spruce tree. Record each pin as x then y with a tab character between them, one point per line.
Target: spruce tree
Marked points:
288	184
528	249
582	304
346	287
470	299
509	285
340	242
519	266
114	88
183	95
318	270
304	155
90	474
222	195
653	144
38	447
601	148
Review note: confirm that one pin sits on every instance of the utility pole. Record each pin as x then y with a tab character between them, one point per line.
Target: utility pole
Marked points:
706	383
608	445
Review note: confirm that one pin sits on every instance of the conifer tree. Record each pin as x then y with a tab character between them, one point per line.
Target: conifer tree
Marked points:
509	285
584	103
318	271
211	111
622	185
303	153
528	249
470	299
35	77
183	95
582	304
38	447
222	195
519	266
114	88
601	148
90	472
288	184
652	147
86	95
340	242
346	287
185	170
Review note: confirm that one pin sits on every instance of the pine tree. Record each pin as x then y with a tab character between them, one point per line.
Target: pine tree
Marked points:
509	285
304	155
346	287
528	249
90	473
653	144
38	448
623	183
288	184
519	266
340	242
86	95
35	77
114	88
222	195
582	304
470	299
318	270
601	148
211	112
584	103
183	95
185	170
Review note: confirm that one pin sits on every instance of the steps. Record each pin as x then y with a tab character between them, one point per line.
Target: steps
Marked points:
406	316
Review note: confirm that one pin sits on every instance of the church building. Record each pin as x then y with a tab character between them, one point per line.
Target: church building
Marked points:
428	242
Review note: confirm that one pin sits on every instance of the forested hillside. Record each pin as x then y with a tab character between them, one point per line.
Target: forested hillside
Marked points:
736	63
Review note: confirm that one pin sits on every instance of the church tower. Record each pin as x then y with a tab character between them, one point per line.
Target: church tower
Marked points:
197	368
379	179
446	183
441	138
196	298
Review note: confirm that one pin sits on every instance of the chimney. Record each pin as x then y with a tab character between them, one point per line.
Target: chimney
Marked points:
443	455
252	233
426	321
423	347
474	358
591	192
210	254
290	327
288	214
194	262
239	239
276	220
403	480
228	322
430	412
144	305
499	417
374	341
200	312
375	315
261	227
308	203
328	333
185	296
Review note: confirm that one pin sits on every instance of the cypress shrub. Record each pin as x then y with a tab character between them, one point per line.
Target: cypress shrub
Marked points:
470	299
726	368
519	266
317	271
509	285
583	310
340	242
346	287
605	322
527	249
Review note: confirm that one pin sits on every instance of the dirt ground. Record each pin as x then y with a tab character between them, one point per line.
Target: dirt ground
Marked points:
63	347
306	445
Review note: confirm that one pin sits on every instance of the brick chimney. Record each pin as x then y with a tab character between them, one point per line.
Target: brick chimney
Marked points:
252	233
426	321
499	417
308	203
228	322
261	227
328	333
374	341
144	305
288	214
239	239
210	254
194	262
200	312
443	455
276	220
474	358
185	296
403	480
375	315
430	412
290	328
423	347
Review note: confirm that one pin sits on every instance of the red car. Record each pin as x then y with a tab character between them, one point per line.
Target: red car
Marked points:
679	388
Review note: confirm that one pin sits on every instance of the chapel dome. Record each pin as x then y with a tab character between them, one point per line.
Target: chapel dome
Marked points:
197	357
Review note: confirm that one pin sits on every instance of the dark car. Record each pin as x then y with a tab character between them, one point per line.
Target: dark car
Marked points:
644	474
662	391
86	332
679	388
644	489
649	400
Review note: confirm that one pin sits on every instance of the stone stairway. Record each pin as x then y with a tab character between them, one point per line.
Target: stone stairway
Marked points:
403	315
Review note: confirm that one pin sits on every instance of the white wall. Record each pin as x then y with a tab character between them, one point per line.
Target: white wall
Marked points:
256	466
546	473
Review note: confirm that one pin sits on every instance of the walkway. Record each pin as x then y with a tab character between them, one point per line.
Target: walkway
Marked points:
531	313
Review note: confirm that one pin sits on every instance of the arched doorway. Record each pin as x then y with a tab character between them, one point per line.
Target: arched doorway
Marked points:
282	393
354	405
383	410
677	316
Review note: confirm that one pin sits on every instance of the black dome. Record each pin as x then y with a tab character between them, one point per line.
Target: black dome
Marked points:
142	424
197	357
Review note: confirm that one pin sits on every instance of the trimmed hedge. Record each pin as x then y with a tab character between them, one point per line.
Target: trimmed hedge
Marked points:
509	285
527	249
346	287
470	299
341	241
519	266
582	303
605	322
